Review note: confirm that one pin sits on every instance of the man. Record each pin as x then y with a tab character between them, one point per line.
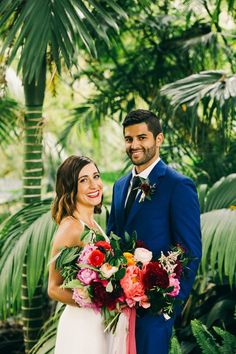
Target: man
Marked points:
171	216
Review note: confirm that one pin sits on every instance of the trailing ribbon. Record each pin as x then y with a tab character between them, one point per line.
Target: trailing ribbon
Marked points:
130	339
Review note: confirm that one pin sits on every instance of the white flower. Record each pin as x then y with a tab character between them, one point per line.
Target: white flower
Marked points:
142	255
107	270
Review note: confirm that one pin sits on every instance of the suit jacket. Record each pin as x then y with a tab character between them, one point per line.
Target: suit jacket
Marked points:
171	216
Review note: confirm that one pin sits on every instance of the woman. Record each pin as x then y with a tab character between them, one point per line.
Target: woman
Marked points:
78	195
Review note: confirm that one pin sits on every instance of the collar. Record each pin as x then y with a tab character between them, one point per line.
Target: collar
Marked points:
145	173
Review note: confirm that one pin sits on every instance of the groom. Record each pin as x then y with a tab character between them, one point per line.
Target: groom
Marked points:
171	216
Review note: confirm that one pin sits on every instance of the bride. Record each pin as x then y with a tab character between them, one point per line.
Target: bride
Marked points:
78	196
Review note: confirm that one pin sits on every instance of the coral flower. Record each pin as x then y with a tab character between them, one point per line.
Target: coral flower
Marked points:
130	258
132	285
96	258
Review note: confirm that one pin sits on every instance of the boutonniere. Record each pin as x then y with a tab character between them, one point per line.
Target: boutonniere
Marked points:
146	188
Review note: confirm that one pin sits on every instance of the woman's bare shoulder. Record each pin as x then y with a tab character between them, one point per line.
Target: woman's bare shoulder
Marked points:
68	233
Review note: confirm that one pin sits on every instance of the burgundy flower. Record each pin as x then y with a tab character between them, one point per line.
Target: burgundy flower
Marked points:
103	298
178	269
99	293
145	187
140	243
155	275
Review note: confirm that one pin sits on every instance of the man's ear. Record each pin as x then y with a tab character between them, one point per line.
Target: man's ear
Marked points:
159	139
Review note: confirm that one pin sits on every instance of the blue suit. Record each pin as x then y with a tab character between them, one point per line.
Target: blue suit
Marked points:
171	216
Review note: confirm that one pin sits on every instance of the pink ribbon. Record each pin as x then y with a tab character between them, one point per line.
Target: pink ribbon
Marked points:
130	339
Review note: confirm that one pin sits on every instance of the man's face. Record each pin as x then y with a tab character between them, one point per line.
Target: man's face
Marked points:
141	146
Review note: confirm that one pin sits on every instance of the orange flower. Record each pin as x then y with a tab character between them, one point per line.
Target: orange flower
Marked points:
130	258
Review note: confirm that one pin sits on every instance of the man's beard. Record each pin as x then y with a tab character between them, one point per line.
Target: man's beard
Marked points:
148	154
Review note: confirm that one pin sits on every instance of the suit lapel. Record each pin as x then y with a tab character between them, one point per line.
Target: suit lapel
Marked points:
154	178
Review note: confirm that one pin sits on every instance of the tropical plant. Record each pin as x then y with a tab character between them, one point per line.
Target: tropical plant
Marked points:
28	232
221	342
213	297
158	45
46	33
207	102
209	344
8	117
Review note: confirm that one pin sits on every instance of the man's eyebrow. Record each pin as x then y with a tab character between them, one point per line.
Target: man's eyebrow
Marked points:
140	135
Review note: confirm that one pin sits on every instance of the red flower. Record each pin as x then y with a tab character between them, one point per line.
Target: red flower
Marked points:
96	258
178	269
155	275
103	244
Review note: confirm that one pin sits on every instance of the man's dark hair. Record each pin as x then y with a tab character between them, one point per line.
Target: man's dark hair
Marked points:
143	116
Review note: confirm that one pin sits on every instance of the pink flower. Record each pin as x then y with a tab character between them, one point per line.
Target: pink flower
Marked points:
88	249
86	276
142	255
175	283
132	285
82	298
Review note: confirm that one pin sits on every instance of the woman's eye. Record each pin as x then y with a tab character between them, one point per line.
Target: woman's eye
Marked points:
96	176
83	180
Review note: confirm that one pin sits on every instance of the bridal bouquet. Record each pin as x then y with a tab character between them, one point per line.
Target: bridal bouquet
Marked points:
93	271
113	276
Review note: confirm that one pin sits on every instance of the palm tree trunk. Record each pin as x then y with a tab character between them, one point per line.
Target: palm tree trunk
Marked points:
32	304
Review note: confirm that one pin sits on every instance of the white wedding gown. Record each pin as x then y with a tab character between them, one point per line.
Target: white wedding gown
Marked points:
81	330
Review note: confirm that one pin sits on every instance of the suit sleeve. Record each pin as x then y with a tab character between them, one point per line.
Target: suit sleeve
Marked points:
111	225
186	229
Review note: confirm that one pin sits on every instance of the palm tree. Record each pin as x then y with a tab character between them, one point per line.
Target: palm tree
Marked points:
43	32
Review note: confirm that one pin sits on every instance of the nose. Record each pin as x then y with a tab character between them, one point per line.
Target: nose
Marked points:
92	183
134	144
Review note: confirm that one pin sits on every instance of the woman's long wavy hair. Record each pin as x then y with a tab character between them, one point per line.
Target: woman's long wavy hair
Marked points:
64	203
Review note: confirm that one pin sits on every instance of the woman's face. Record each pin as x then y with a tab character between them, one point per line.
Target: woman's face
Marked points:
89	186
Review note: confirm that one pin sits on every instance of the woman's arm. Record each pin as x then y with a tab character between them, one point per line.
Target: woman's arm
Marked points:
68	234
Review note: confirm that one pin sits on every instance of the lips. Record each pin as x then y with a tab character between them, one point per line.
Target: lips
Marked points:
136	152
93	195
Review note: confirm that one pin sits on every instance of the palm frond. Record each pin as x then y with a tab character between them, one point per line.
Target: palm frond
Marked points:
46	342
28	232
219	244
35	26
222	194
192	89
9	117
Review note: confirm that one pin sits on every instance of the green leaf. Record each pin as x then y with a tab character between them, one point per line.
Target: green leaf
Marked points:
120	274
75	283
